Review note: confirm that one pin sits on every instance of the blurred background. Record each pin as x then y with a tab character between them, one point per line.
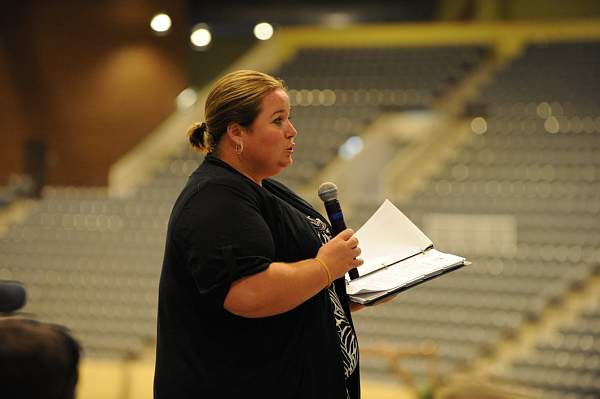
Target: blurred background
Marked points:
480	120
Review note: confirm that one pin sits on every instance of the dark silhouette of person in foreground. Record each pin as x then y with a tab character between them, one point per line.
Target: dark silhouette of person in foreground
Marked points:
37	360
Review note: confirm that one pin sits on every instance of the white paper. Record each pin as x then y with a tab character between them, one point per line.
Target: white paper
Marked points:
389	235
404	273
396	253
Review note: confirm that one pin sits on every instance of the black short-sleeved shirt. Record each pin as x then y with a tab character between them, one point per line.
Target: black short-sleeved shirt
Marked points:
224	227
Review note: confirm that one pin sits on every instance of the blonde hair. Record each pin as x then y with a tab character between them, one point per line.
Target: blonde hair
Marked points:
236	97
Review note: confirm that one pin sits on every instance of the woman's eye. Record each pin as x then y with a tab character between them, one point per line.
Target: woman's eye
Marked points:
277	121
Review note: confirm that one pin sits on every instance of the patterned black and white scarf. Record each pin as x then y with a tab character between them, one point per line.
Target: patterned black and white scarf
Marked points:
348	342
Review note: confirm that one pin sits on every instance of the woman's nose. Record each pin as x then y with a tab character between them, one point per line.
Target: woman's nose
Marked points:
292	132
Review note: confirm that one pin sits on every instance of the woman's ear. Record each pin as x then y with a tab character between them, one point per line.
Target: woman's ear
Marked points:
235	132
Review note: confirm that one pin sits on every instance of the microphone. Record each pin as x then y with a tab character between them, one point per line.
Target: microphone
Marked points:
328	194
12	296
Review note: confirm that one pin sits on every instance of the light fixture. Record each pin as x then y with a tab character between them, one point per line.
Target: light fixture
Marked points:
160	23
263	31
201	36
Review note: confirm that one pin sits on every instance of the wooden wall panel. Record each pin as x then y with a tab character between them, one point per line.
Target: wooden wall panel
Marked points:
92	80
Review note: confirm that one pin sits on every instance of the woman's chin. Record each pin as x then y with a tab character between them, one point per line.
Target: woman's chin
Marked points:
287	161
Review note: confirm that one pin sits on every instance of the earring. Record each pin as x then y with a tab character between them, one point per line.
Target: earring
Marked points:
239	147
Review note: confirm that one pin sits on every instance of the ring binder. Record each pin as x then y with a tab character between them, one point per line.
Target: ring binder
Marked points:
397	255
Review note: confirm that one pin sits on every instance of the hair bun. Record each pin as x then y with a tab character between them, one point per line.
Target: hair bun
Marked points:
197	136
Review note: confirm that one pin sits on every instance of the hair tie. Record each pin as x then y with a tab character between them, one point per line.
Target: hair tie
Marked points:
199	137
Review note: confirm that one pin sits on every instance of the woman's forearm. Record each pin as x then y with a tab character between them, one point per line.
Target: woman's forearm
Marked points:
278	289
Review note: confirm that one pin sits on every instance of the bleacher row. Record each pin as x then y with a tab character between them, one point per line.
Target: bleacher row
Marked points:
567	363
549	182
430	70
92	262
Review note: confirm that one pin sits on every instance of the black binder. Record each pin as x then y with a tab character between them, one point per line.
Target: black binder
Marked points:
397	255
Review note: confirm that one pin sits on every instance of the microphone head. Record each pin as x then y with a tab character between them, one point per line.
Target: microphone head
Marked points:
328	191
12	296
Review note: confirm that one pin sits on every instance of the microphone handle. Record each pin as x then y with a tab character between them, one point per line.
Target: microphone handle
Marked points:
336	218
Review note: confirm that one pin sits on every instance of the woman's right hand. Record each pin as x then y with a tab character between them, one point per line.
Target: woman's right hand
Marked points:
341	253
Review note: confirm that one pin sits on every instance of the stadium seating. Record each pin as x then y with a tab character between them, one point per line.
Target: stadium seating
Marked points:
337	92
565	364
92	262
547	178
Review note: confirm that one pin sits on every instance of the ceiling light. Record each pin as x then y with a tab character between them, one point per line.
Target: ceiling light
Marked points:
160	23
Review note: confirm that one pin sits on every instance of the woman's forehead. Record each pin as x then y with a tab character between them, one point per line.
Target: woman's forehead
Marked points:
276	100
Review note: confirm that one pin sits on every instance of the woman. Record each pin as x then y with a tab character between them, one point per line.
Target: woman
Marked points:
252	300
